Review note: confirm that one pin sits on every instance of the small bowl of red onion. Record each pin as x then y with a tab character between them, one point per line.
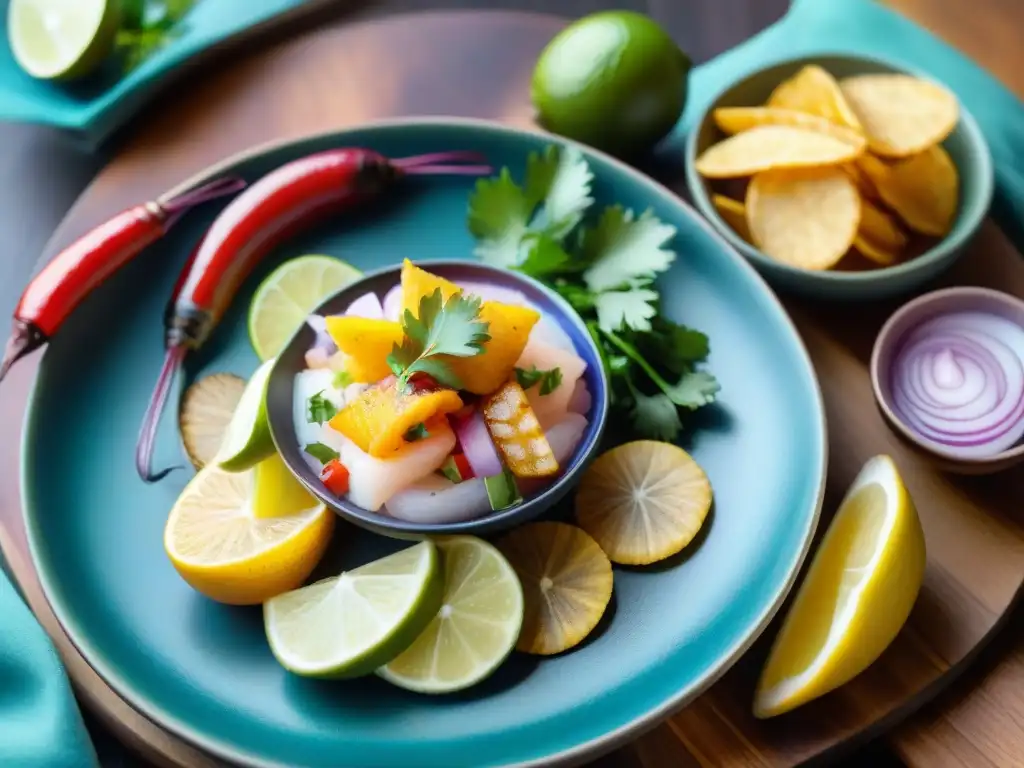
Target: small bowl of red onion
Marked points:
947	372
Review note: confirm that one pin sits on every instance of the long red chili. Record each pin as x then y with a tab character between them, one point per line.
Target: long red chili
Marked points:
80	268
285	200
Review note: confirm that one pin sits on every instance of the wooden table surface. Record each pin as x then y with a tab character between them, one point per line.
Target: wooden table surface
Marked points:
981	722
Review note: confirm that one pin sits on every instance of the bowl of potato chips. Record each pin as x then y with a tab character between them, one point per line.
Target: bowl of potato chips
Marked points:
841	177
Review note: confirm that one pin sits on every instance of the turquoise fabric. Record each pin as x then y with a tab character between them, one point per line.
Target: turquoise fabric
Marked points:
40	726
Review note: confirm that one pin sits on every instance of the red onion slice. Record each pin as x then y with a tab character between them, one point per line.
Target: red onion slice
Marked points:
368	306
476	443
393	303
323	344
958	381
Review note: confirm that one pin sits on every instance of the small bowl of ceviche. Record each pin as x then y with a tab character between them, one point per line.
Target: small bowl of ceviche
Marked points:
437	398
947	372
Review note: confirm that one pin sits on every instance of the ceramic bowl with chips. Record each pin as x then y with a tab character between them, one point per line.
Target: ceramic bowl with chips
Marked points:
854	277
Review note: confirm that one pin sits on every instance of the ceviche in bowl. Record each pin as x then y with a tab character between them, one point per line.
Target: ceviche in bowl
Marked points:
439	397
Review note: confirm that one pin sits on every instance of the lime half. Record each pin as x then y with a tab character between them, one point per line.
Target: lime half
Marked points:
476	627
351	624
247	439
289	294
62	39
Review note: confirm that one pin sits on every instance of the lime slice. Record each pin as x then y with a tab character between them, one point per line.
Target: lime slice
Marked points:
643	501
476	627
206	411
247	439
289	294
224	550
856	596
349	625
62	39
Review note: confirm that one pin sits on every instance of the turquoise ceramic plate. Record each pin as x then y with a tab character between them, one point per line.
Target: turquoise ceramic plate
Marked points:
204	670
94	109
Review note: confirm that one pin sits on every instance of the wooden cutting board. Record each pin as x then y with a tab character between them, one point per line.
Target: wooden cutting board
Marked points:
341	75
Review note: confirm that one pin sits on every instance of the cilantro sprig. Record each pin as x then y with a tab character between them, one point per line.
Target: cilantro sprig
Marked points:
549	380
441	329
604	263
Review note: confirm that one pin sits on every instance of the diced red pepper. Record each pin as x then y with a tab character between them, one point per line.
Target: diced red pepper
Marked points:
462	464
423	382
335	476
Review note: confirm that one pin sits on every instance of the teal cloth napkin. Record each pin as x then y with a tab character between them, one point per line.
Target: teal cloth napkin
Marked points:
39	724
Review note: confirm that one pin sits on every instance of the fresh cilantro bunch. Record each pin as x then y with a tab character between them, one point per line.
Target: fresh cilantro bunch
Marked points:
605	264
443	329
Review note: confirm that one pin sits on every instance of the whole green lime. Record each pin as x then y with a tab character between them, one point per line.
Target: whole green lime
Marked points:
615	80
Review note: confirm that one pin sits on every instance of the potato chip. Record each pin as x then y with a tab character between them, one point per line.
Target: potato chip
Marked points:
878	226
922	189
874	252
806	219
867	189
772	146
734	213
739	119
901	115
815	91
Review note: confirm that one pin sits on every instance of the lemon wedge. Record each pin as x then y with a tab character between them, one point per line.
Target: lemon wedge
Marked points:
856	596
244	537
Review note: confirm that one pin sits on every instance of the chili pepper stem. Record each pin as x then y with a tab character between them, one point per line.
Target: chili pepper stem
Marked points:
24	338
151	421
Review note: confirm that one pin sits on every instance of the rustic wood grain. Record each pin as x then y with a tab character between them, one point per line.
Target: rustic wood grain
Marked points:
340	76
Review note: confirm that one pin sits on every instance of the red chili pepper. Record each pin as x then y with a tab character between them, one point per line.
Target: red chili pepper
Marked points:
76	271
462	464
335	476
287	199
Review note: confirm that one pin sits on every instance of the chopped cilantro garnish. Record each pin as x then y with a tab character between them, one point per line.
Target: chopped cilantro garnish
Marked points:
604	262
320	452
549	380
320	409
416	432
449	327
